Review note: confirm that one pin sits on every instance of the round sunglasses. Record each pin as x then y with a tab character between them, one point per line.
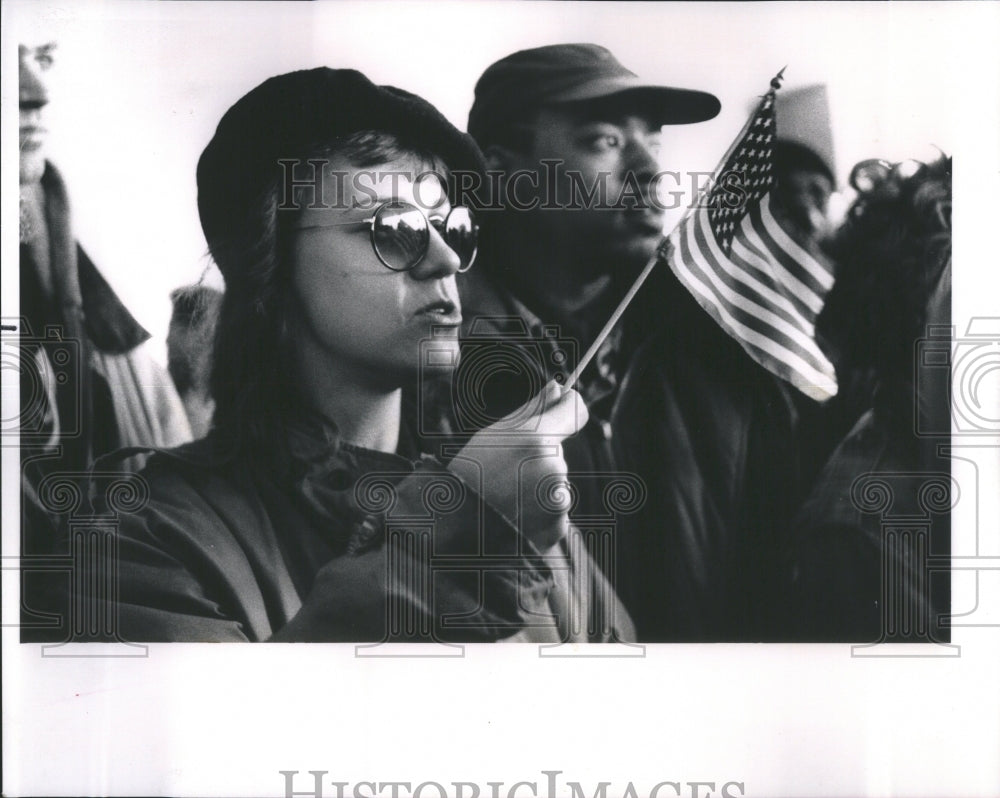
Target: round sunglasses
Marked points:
401	234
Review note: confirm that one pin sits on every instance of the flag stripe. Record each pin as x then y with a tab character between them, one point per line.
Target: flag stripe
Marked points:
744	253
762	287
703	250
783	265
758	283
791	367
706	257
748	245
787	246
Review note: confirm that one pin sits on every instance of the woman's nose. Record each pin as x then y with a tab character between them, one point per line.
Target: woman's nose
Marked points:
440	260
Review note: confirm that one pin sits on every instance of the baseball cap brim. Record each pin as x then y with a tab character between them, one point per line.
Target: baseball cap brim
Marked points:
665	105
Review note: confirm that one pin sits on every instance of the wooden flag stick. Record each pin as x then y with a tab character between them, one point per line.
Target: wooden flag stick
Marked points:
622	307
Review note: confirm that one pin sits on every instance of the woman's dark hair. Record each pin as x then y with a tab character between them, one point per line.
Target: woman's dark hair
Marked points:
253	377
889	253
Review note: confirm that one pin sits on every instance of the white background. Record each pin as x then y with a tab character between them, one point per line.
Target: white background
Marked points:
138	89
136	93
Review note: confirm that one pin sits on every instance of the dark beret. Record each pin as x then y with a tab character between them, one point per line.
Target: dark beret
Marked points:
289	115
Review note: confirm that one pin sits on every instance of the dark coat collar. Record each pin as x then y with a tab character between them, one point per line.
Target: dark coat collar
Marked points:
108	322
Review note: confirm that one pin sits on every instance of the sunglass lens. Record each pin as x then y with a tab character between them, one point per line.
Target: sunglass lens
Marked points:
401	235
462	235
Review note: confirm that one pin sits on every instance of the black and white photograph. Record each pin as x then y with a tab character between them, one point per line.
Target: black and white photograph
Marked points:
578	399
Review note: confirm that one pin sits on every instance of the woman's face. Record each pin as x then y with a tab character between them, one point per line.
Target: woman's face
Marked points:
356	315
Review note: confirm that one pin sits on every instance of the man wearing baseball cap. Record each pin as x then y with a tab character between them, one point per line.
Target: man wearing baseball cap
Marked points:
704	431
572	137
573	117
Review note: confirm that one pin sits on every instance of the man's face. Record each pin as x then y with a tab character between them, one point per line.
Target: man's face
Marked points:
803	204
33	63
608	159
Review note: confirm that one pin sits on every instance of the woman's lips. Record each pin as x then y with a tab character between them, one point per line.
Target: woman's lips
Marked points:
441	312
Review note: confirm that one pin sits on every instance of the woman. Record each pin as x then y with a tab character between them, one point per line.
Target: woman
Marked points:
878	513
308	513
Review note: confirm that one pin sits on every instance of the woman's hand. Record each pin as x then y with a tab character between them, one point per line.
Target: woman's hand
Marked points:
519	466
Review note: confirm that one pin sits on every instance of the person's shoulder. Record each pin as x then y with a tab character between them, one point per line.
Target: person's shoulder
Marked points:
178	474
199	489
196	459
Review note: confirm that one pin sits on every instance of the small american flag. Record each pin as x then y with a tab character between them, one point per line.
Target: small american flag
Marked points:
758	284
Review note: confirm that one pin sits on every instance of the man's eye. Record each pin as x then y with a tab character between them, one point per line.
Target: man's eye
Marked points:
604	141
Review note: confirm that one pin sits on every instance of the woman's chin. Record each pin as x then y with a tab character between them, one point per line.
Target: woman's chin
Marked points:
439	352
